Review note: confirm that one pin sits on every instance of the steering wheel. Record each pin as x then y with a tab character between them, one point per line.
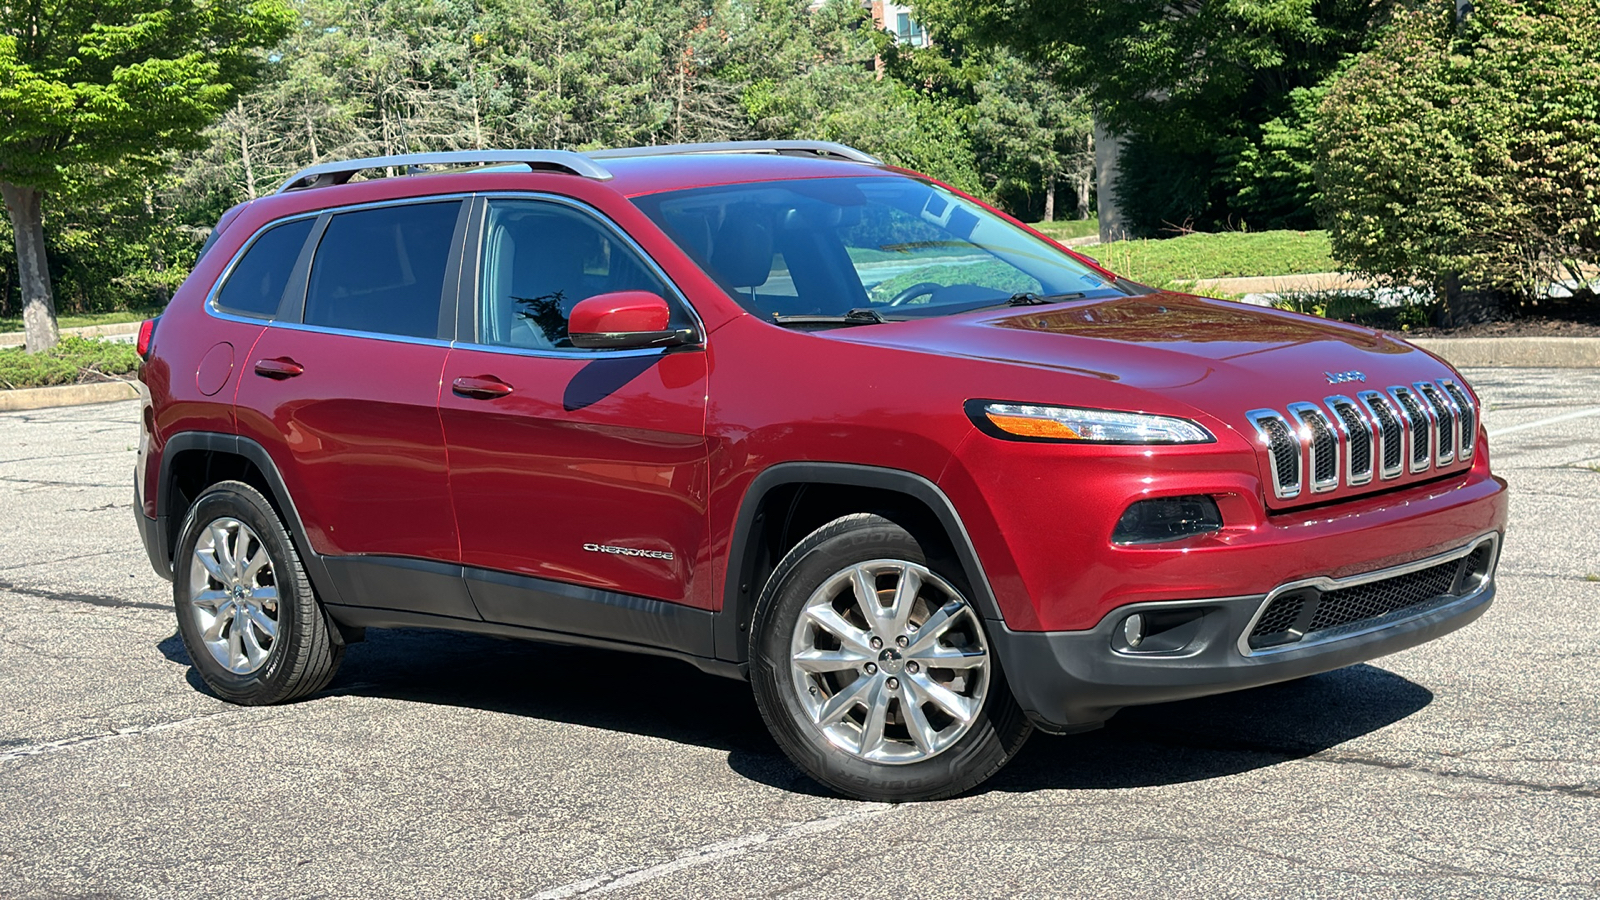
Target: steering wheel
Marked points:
914	291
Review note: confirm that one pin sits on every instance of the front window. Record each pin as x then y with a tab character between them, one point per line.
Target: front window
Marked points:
898	246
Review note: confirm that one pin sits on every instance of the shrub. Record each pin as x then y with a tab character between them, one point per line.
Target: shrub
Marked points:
74	360
1468	155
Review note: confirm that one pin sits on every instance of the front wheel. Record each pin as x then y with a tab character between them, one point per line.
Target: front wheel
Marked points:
246	611
873	671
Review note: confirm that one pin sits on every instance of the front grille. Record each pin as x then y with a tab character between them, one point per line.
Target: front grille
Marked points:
1434	419
1312	614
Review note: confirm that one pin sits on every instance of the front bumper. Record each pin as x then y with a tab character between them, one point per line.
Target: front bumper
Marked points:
1067	681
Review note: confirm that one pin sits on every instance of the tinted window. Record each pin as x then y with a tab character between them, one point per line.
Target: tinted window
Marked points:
382	270
255	285
539	260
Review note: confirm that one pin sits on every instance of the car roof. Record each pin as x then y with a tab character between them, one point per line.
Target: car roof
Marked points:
636	176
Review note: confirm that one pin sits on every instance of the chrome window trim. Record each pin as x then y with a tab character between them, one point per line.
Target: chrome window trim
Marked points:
1456	391
1255	418
1385	472
1353	478
473	262
1308	442
1325	584
1429	392
1413	465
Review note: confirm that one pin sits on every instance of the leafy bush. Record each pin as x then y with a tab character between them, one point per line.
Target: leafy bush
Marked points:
75	360
1468	153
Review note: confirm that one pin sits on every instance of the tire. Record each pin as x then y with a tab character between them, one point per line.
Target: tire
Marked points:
890	709
247	613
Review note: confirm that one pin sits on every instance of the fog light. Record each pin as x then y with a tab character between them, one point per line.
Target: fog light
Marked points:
1167	519
1133	630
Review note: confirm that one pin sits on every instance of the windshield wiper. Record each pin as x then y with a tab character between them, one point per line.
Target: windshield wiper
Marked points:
1029	298
857	316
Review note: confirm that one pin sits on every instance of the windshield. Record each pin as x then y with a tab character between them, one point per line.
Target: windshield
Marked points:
894	245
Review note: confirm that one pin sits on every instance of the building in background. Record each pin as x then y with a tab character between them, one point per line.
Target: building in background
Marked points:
898	21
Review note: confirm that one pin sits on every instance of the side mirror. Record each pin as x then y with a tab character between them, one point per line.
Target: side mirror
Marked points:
624	320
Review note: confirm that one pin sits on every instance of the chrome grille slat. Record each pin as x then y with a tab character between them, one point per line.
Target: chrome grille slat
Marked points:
1283	451
1444	412
1357	435
1391	434
1468	416
1420	427
1321	444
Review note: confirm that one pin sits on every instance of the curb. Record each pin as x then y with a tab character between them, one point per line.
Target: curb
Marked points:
67	395
1515	352
17	339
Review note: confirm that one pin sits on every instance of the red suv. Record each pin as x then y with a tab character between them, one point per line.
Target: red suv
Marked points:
923	477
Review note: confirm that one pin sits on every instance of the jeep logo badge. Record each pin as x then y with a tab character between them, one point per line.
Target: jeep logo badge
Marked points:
1342	377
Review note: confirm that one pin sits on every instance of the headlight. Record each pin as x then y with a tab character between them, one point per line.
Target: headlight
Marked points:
1015	421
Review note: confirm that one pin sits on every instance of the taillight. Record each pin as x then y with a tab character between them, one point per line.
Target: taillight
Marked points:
147	331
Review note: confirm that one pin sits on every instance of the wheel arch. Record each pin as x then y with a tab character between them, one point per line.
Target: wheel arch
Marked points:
787	501
191	461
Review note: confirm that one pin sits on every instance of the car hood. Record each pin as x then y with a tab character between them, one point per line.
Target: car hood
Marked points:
1173	343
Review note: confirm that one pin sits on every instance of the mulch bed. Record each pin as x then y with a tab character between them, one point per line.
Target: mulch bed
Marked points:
1549	318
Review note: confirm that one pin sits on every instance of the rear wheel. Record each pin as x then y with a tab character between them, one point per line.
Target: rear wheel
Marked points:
246	611
873	670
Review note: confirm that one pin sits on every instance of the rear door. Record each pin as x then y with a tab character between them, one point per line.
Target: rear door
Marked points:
569	467
343	392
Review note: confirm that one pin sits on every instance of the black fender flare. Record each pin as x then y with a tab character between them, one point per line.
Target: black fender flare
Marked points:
258	456
739	596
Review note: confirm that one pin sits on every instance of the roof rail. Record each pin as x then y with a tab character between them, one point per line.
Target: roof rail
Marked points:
782	148
331	173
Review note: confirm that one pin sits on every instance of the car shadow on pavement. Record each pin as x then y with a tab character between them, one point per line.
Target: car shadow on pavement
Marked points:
1170	743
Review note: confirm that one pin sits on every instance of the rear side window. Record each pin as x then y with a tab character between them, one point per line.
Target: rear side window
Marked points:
382	270
256	283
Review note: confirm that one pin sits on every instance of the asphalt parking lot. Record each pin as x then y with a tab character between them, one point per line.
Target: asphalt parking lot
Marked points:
440	765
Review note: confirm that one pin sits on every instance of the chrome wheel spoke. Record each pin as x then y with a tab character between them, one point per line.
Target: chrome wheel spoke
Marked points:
877	701
846	634
905	599
211	600
265	596
842	702
221	546
866	591
254	653
818	661
960	708
922	731
213	629
267	624
253	566
235	640
937	657
929	632
212	566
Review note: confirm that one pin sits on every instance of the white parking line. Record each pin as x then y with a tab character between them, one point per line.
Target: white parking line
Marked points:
625	878
77	742
1540	423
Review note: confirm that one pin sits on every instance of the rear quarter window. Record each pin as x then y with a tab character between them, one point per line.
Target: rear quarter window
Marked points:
255	286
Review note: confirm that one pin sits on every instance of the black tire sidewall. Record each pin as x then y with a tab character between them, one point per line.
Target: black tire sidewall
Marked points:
995	735
265	685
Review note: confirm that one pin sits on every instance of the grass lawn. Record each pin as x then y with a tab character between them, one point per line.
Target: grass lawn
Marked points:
72	320
73	361
1231	254
1070	228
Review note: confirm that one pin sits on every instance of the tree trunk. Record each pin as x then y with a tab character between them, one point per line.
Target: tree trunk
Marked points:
244	153
1050	197
26	206
1107	147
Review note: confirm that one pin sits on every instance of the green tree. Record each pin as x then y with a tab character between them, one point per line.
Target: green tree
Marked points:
1469	156
85	84
1193	82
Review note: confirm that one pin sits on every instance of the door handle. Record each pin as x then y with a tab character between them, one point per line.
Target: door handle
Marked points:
279	368
480	387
